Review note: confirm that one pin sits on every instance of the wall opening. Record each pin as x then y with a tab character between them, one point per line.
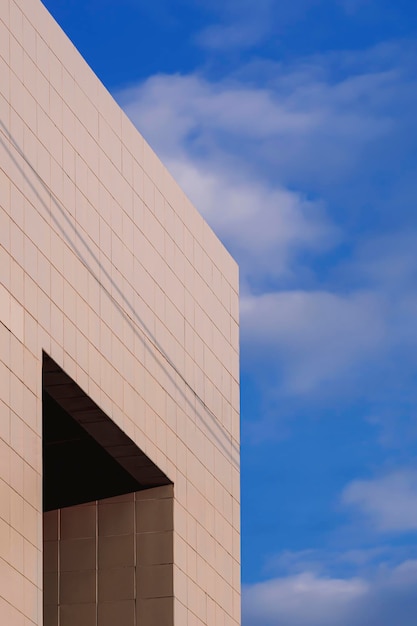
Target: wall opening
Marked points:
108	517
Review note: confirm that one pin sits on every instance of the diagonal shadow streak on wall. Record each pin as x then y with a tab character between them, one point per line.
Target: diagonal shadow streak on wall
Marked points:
149	341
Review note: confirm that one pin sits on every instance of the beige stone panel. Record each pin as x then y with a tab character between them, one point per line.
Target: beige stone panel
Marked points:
180	584
4	274
5	498
12	313
31	598
16	512
4	45
109	142
5	543
32	523
32	491
16	49
10	614
16	551
12	585
4	406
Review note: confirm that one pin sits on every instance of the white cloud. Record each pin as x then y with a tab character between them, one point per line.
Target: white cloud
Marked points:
281	151
302	599
386	261
242	24
239	24
275	170
263	223
327	562
240	35
387	597
389	502
175	108
300	116
264	227
319	335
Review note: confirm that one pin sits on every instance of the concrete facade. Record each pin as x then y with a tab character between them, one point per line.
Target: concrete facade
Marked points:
118	309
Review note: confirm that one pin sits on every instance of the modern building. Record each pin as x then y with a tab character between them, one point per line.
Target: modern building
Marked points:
119	369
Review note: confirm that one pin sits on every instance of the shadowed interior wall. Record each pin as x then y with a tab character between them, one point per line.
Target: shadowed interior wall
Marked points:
110	561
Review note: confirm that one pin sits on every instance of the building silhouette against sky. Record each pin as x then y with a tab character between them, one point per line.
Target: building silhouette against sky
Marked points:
119	368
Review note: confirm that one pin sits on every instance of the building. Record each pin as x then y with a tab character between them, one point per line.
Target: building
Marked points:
119	370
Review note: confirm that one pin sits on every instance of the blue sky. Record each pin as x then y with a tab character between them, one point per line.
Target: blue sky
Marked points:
292	128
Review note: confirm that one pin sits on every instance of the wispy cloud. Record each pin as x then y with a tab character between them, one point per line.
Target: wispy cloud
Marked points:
307	599
301	599
281	171
244	24
236	25
336	562
197	128
388	503
317	336
319	130
263	226
235	35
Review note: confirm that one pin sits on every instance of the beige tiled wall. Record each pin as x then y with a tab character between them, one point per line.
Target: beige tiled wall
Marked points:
107	267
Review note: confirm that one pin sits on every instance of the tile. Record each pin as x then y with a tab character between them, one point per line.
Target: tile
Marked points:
77	554
115	519
4	501
50	526
120	612
156	612
153	548
154	581
78	522
116	551
16	550
79	614
154	515
77	587
50	586
156	493
50	556
50	615
16	512
5	547
116	584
